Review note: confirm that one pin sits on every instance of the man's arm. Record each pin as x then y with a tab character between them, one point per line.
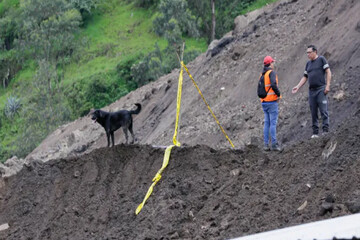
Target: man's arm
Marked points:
328	80
300	84
273	83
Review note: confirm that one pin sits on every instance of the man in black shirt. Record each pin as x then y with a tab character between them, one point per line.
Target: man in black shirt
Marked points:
318	88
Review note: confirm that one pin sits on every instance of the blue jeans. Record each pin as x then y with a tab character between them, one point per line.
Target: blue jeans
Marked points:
271	112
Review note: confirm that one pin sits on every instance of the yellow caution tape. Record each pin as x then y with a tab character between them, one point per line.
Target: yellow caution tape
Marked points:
156	178
202	96
168	149
178	104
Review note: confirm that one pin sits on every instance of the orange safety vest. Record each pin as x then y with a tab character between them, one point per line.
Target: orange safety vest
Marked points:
271	96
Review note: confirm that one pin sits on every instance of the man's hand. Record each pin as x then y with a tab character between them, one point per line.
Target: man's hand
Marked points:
295	89
327	89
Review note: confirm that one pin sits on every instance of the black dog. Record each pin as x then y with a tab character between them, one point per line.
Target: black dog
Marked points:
113	121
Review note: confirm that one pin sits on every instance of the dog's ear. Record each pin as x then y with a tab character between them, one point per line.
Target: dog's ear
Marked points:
101	114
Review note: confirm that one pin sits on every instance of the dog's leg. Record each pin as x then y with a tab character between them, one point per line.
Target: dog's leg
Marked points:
108	138
126	134
112	138
132	134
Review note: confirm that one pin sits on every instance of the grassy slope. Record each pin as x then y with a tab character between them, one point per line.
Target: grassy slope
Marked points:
115	32
122	32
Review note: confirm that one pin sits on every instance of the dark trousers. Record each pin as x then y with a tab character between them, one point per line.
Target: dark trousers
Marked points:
318	102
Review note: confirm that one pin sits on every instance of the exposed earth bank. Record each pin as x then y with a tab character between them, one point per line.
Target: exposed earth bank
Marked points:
203	194
71	187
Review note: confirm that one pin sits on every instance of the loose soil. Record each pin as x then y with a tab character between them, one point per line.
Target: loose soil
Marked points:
203	194
71	187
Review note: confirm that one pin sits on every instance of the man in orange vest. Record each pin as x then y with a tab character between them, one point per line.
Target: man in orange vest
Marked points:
270	104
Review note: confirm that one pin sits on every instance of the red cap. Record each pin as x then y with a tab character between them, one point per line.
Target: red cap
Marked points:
268	60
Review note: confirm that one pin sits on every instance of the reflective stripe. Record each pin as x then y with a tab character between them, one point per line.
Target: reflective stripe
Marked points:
271	95
326	66
305	73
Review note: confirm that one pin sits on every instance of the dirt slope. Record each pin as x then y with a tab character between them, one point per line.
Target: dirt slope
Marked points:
72	188
283	30
223	194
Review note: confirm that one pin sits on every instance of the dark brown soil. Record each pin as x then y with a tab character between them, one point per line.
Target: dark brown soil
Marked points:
203	194
208	191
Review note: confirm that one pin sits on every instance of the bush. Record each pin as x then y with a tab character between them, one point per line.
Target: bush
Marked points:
158	63
123	70
97	92
45	110
175	16
146	3
12	107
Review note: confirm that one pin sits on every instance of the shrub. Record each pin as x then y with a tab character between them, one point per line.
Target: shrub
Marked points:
12	107
97	92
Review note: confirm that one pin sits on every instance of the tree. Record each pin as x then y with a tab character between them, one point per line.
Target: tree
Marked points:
44	111
84	5
8	63
145	3
47	29
225	13
213	21
174	20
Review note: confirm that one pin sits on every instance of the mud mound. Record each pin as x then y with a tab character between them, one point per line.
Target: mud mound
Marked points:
207	192
204	193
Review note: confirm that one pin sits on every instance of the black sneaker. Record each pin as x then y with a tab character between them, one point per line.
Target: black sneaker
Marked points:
266	148
276	148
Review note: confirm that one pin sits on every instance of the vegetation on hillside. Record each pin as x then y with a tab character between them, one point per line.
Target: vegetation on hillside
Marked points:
61	58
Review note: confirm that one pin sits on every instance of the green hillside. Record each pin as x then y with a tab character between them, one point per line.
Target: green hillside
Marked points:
60	58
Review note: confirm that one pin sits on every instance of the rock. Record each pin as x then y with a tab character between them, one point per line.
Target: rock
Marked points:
213	44
303	124
254	141
11	166
325	208
208	181
4	226
235	172
175	235
329	150
339	95
353	206
76	174
242	21
216	46
302	207
330	198
224	224
191	214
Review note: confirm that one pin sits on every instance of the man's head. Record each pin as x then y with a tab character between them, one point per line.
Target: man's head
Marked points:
311	52
269	61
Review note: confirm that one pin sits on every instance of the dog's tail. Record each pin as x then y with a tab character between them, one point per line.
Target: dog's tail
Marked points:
136	111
